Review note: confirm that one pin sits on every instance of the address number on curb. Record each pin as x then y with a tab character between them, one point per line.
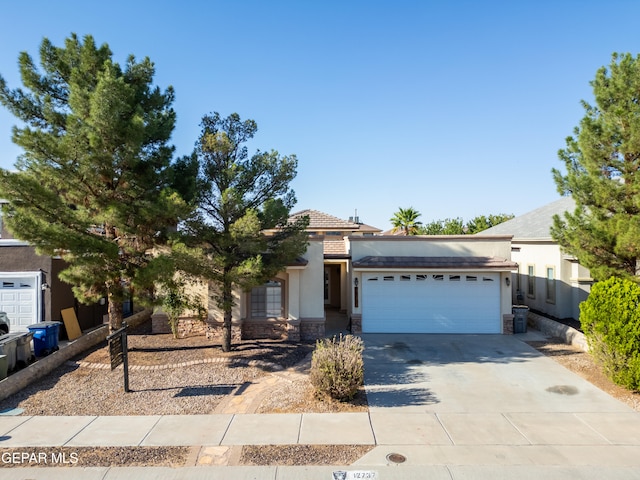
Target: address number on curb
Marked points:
354	475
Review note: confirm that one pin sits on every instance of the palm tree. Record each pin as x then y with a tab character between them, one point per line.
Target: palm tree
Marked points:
406	219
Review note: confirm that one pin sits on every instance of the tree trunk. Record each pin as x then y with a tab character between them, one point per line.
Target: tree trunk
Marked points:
227	301
115	312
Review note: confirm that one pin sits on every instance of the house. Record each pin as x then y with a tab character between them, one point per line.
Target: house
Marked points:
382	284
547	281
30	290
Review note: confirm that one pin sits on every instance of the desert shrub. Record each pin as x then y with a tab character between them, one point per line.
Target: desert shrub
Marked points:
610	318
176	302
337	368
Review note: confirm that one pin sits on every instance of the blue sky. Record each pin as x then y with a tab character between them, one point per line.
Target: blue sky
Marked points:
456	108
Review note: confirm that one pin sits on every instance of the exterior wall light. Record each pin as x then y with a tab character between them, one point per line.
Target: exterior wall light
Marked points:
507	280
355	292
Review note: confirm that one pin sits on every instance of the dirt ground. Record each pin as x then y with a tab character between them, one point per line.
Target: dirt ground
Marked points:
252	360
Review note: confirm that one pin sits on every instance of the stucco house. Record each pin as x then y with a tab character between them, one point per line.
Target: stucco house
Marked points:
30	290
547	280
420	284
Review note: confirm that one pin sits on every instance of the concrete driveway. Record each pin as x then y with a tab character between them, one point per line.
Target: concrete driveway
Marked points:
473	374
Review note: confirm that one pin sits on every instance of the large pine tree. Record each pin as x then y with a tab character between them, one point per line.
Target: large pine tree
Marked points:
602	161
237	198
91	185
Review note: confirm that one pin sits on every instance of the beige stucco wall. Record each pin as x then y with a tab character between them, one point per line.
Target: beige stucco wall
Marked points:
572	283
431	246
311	282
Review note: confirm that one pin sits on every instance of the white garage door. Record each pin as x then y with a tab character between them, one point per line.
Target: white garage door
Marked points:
18	300
431	303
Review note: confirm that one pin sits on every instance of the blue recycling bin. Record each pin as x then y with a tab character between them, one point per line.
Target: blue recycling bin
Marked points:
45	337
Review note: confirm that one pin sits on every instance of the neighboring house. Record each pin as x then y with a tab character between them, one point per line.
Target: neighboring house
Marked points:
30	290
548	280
384	284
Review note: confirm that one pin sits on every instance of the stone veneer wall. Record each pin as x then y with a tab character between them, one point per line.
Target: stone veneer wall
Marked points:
311	330
265	329
191	327
507	323
289	330
356	324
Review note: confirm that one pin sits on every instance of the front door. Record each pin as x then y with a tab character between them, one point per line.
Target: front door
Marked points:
327	285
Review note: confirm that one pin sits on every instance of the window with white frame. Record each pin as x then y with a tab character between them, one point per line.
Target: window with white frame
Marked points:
550	283
531	281
267	300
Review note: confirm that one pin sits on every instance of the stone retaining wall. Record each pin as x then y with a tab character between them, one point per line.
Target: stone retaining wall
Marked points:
549	327
19	380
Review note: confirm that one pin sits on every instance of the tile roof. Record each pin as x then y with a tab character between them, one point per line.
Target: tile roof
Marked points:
334	247
481	263
324	221
534	224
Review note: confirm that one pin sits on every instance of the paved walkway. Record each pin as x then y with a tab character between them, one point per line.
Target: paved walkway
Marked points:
434	444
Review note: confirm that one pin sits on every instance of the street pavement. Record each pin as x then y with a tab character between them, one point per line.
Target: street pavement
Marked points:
450	407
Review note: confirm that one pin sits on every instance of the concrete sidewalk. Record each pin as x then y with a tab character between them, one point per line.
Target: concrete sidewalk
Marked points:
447	430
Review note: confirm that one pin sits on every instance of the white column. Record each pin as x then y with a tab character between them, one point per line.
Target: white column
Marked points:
294	294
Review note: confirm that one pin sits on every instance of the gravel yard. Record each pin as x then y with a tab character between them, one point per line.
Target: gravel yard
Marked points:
167	376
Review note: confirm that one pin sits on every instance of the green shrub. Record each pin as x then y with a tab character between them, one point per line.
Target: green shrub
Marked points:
610	318
337	368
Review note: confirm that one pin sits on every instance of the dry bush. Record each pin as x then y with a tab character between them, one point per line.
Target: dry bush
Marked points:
337	368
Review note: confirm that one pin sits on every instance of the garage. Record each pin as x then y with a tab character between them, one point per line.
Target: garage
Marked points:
18	298
397	302
431	294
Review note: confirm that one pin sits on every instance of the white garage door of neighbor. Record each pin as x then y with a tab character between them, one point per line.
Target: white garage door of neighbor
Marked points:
431	303
18	300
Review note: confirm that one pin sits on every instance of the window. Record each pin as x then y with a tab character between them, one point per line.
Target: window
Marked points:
454	278
487	279
472	278
266	300
421	278
405	278
372	279
438	278
550	284
531	281
388	278
333	234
